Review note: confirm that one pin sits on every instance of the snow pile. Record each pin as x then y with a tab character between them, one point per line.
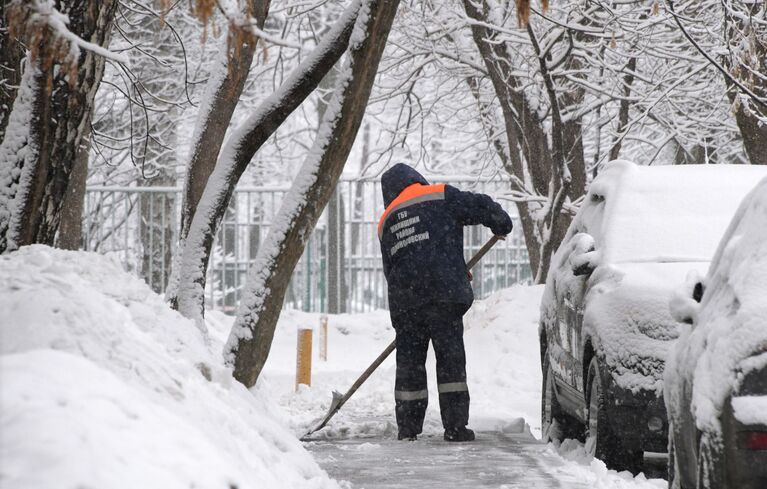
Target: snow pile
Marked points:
503	360
579	466
729	339
104	386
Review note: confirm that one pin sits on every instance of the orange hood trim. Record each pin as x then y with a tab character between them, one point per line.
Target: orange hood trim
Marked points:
411	192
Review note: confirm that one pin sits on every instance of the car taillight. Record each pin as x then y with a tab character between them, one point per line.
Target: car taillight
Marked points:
754	440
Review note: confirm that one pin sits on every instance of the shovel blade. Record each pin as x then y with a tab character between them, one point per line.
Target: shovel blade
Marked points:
335	404
337	397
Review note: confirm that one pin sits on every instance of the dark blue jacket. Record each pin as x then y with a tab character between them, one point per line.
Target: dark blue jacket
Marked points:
421	235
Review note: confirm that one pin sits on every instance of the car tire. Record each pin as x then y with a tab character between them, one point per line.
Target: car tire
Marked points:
555	424
601	442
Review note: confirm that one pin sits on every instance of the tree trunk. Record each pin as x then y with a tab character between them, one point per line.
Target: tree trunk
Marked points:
752	125
11	56
251	337
747	62
239	151
623	112
18	150
493	55
71	229
60	103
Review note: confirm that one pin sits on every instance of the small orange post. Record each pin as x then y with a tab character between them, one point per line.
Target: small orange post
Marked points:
324	338
304	358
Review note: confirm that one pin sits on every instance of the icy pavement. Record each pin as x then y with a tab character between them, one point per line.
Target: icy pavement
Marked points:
494	459
370	457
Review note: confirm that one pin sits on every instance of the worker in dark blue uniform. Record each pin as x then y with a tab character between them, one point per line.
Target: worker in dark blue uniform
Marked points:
421	236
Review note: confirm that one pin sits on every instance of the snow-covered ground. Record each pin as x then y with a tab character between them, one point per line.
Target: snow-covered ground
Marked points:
102	385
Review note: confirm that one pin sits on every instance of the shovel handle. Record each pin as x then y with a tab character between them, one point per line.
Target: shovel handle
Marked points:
361	380
483	251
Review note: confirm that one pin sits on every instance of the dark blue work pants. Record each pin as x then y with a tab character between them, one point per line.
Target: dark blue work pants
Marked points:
441	323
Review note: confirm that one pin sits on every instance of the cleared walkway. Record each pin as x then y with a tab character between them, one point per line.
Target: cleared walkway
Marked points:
499	460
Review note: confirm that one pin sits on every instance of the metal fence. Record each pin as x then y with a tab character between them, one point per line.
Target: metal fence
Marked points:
340	270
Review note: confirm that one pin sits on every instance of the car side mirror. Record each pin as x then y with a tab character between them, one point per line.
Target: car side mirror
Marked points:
584	257
685	302
697	292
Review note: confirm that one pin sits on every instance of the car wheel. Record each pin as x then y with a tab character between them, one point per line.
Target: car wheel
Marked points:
555	424
601	442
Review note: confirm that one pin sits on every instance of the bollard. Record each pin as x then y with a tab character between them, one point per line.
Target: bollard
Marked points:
304	358
324	338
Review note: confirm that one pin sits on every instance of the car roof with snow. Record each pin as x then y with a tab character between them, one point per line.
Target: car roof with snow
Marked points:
664	213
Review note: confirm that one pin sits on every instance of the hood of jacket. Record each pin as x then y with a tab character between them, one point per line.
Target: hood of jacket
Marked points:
398	178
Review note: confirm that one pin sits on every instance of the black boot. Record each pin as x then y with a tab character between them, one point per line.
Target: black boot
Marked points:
407	436
459	434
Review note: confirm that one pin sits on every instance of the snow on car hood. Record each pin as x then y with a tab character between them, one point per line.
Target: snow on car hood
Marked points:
627	316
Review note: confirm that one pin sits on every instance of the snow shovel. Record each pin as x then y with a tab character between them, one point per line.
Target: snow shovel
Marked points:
340	399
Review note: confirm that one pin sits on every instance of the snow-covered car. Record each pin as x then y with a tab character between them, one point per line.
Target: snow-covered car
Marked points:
606	328
716	379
